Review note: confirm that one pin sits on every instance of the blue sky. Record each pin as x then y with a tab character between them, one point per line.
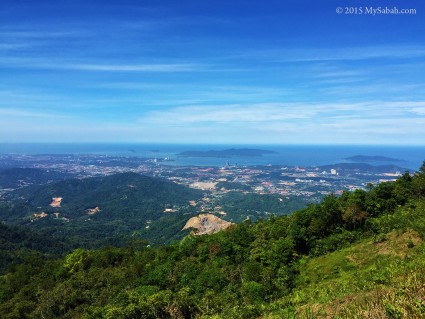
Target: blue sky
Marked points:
239	72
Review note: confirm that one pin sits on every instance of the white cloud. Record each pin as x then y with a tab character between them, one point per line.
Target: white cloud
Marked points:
105	67
12	112
278	112
419	110
131	67
43	34
226	114
306	54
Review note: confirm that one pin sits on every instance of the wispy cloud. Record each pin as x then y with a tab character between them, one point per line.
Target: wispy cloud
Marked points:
14	46
27	33
132	67
180	73
224	114
364	123
281	112
419	110
355	53
100	67
12	112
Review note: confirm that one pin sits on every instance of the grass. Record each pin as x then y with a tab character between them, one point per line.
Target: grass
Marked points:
370	279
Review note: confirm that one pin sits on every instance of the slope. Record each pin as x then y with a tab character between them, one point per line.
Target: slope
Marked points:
18	244
360	255
100	210
21	177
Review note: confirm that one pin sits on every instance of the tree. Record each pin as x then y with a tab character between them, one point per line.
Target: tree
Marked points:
353	215
419	182
422	168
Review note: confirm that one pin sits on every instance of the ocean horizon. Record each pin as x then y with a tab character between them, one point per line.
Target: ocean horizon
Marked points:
292	155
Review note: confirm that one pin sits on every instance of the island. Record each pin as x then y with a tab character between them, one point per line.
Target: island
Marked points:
366	158
232	152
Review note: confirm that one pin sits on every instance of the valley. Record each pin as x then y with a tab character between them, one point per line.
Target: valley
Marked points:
356	255
95	200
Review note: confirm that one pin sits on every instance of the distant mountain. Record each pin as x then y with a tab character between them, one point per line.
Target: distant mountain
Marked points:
245	152
366	158
104	210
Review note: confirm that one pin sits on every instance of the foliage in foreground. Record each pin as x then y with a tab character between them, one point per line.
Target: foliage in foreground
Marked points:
357	256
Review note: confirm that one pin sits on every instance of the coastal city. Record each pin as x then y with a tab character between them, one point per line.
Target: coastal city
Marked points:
288	183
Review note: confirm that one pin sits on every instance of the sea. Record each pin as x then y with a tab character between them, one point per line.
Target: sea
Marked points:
410	157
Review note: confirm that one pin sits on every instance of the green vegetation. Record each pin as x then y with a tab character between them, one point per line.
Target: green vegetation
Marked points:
19	177
127	203
240	206
360	255
18	244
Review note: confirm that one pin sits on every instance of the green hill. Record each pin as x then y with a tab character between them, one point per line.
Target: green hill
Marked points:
18	244
103	210
20	177
360	255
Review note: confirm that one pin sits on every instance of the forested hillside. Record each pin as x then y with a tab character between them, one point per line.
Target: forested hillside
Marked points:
360	255
18	244
93	212
20	177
